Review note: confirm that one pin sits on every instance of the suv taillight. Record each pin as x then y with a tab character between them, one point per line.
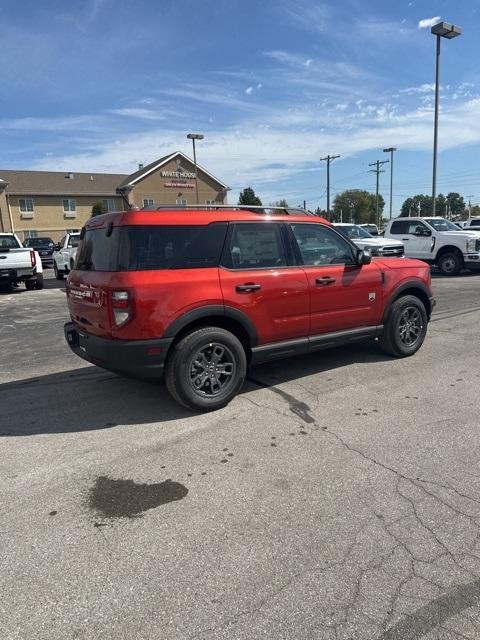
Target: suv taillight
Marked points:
33	258
121	307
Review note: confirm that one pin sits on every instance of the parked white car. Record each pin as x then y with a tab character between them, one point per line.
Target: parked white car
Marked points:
19	264
375	245
64	257
437	241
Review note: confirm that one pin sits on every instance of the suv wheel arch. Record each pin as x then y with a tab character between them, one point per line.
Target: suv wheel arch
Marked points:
409	289
221	316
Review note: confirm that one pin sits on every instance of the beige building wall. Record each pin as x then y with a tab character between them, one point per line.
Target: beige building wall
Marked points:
154	187
48	216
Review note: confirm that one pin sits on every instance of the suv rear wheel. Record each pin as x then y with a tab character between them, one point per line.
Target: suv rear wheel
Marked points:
405	328
206	369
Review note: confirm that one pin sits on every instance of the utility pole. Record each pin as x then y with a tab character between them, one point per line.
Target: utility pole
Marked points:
377	164
391	150
328	159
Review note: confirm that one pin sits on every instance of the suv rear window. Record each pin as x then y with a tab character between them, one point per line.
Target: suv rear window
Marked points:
143	248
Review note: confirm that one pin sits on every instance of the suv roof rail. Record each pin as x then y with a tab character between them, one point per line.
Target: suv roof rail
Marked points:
260	209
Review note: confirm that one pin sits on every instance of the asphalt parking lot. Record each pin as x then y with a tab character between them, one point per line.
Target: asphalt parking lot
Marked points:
338	497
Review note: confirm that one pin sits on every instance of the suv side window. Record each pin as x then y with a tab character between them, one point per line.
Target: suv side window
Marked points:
318	245
255	245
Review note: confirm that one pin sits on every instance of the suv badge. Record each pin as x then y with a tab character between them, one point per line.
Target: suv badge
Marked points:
371	297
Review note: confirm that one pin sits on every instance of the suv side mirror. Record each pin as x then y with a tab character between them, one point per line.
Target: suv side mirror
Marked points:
362	257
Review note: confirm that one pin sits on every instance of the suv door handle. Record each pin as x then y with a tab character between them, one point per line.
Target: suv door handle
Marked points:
247	287
405	239
323	282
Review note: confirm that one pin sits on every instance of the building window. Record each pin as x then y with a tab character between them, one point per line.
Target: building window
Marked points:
71	231
69	208
148	203
30	234
26	207
108	205
210	202
181	201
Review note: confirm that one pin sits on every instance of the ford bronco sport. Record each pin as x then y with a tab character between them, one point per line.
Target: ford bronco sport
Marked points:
200	295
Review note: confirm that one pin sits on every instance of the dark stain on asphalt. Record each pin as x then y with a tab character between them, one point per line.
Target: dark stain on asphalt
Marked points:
299	408
435	613
224	460
52	513
116	498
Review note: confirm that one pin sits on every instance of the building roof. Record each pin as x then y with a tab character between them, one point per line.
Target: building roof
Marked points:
84	184
59	183
132	179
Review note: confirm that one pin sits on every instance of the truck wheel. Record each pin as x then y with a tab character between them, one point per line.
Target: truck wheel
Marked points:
30	284
450	264
206	369
58	274
405	327
39	281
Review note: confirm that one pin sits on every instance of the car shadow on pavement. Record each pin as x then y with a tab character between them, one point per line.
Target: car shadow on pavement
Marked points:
90	398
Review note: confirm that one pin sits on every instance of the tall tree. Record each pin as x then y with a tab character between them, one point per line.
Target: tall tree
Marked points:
282	204
248	196
452	205
98	209
357	206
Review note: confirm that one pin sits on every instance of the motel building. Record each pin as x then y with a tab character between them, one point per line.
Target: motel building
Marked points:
52	203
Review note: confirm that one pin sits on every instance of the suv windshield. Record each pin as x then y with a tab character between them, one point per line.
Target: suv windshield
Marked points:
353	231
440	224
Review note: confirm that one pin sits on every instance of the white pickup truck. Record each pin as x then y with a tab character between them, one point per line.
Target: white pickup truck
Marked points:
437	241
64	257
375	245
19	264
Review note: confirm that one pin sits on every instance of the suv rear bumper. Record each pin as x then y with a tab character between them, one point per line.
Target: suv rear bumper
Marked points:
138	358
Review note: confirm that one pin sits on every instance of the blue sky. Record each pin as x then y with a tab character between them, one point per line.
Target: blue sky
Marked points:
101	85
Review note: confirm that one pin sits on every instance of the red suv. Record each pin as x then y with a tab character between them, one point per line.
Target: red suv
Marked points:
202	294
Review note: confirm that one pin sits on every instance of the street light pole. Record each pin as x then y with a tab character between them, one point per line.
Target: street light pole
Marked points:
377	164
391	150
193	137
449	31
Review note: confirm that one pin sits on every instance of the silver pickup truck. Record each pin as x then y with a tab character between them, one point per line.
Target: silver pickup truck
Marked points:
19	264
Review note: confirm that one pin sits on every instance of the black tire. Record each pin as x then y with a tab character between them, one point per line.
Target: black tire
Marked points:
189	377
58	274
30	284
450	263
39	281
405	327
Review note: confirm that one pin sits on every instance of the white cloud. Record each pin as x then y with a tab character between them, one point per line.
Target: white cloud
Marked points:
243	153
259	85
423	88
428	22
136	112
249	90
308	62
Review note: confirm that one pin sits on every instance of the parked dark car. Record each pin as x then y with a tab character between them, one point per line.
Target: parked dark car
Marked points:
45	248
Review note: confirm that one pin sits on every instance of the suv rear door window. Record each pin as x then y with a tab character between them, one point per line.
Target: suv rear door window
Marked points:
143	248
255	245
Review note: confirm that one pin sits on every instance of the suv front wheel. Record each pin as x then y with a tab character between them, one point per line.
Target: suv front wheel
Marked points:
405	327
206	369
